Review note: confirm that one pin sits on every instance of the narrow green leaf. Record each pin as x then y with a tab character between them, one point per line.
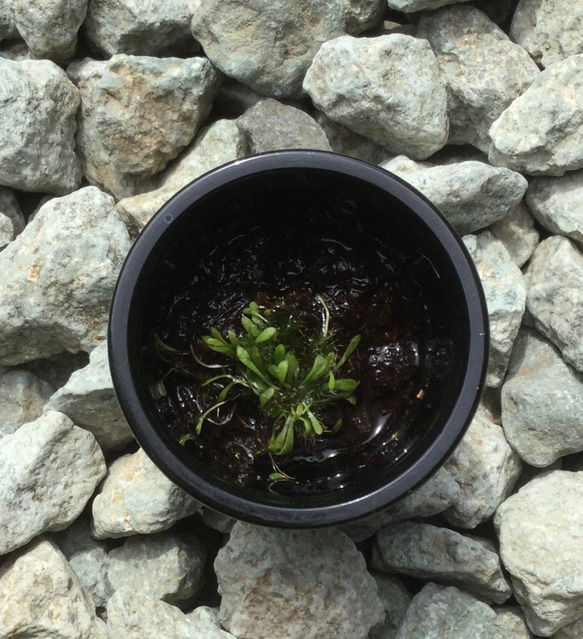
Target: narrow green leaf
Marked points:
293	368
245	359
266	334
206	414
337	425
278	354
346	385
250	327
319	368
186	437
316	423
331	382
354	342
266	395
283	442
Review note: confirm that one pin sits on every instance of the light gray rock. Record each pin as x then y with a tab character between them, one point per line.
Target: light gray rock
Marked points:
38	105
517	231
138	28
267	46
511	623
88	398
22	398
483	70
541	132
313	583
439	612
471	195
396	599
49	470
439	554
557	203
387	88
554	274
362	15
40	596
217	521
539	529
57	279
11	217
432	497
409	6
542	402
7	27
270	125
550	30
485	468
133	614
505	292
49	28
164	566
217	144
137	113
136	498
572	630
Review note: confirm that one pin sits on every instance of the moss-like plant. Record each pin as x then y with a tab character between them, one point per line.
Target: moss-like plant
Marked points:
292	375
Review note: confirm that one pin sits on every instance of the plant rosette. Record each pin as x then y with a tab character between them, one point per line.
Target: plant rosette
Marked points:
298	339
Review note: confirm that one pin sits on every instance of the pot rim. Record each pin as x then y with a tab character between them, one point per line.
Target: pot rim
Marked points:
237	505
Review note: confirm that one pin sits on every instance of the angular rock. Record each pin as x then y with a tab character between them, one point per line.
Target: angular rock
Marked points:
550	30
313	583
22	398
483	70
387	88
49	28
362	15
409	6
505	292
556	203
517	231
7	27
270	125
49	470
11	218
88	398
40	596
555	271
485	468
267	46
541	132
572	630
136	498
434	496
511	623
217	144
539	529
542	402
38	105
163	566
58	278
396	599
471	195
137	28
439	554
448	613
133	614
137	113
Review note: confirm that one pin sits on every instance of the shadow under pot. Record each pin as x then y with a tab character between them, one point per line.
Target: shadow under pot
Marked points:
298	339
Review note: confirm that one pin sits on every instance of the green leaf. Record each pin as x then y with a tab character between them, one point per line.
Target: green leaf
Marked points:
245	359
266	395
207	413
278	477
250	327
346	385
266	334
354	342
293	368
331	382
186	437
283	442
318	369
316	423
278	354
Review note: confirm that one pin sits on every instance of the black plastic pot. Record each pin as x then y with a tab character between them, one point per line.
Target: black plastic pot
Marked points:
276	184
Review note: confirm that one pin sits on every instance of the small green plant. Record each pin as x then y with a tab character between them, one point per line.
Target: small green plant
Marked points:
293	376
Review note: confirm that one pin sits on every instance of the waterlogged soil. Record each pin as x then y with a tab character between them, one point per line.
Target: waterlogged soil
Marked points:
388	295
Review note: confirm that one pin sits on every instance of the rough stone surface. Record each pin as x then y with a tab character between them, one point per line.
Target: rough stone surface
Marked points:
483	70
49	28
511	623
40	596
554	278
217	144
409	6
22	397
471	195
164	566
38	105
439	612
11	217
314	584
556	203
362	15
505	293
541	132
137	113
396	599
138	28
270	125
485	468
136	498
540	544
387	88
49	469
89	399
7	27
58	278
572	630
517	231
266	46
542	402
439	554
550	30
